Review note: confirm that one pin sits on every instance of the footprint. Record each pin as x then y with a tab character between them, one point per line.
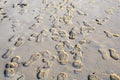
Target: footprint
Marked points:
77	71
103	53
46	54
110	34
32	59
77	47
59	46
32	39
8	53
42	73
19	42
72	34
15	59
48	64
55	37
86	23
54	31
92	77
43	34
101	21
62	57
14	37
34	26
20	77
110	10
39	18
77	64
113	54
34	34
9	72
114	77
11	65
62	33
62	76
77	55
80	12
68	44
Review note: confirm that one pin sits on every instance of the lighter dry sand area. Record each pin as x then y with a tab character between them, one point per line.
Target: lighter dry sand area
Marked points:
59	39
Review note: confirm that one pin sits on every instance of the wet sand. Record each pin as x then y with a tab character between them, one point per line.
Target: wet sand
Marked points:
59	40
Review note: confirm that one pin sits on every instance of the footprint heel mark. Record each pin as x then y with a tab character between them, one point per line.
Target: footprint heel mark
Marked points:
8	53
114	77
103	53
32	59
92	77
62	76
19	42
114	54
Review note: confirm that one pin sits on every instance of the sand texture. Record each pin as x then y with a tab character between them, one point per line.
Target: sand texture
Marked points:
59	39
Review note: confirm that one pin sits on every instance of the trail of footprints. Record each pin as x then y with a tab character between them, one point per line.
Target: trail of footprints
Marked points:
57	34
110	52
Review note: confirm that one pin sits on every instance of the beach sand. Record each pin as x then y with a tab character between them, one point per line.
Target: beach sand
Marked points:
59	39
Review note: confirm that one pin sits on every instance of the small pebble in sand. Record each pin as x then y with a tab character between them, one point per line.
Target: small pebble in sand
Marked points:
113	54
114	77
62	76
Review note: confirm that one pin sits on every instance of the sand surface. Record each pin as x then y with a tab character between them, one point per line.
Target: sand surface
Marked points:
59	39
